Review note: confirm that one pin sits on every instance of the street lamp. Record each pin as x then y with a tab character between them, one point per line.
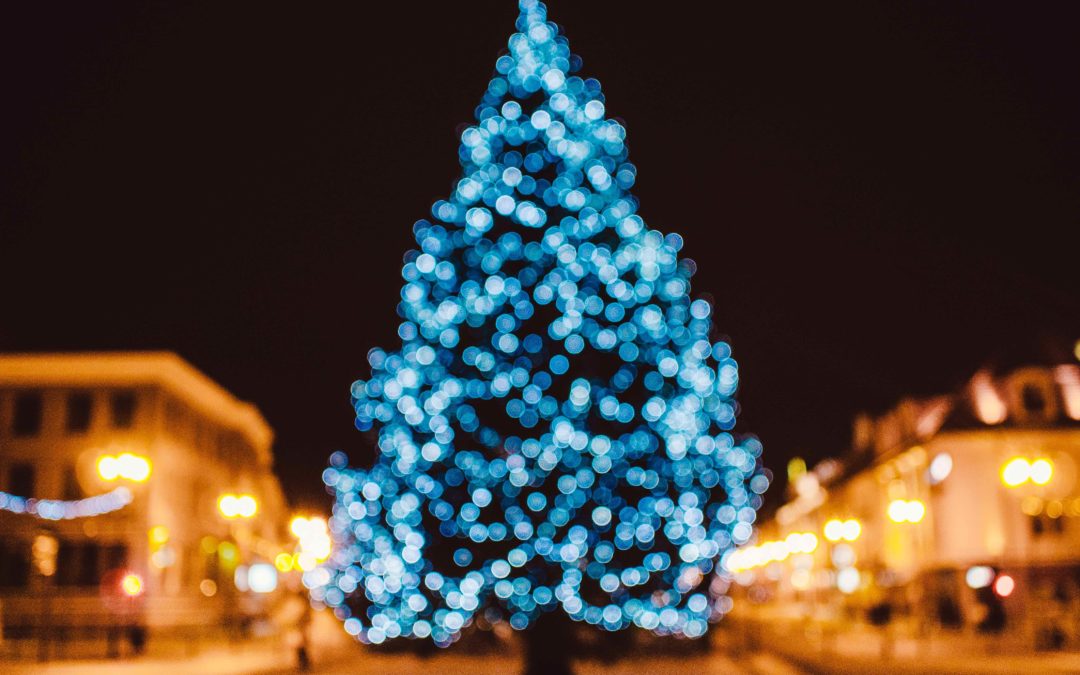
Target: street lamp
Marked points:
124	466
238	506
848	530
906	511
132	585
1020	470
314	541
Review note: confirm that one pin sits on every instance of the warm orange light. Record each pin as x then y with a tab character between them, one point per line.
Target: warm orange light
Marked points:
904	511
132	585
298	526
158	535
851	529
126	466
237	506
107	468
1020	470
1016	472
44	552
227	551
834	530
315	542
1042	470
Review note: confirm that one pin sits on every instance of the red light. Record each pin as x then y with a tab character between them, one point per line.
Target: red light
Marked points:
1004	585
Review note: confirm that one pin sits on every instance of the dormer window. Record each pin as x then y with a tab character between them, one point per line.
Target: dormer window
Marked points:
1032	398
1032	395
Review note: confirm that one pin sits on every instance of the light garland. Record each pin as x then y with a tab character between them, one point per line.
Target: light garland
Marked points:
57	509
554	432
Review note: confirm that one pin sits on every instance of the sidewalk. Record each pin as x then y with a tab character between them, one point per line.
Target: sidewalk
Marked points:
861	650
238	661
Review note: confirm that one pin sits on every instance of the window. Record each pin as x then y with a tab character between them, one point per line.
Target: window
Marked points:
66	563
79	409
1033	400
122	404
27	420
115	557
21	480
14	563
79	564
89	572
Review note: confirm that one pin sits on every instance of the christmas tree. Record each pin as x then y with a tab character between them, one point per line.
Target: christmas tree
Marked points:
554	432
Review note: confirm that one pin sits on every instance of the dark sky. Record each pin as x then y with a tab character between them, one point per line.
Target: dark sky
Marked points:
880	196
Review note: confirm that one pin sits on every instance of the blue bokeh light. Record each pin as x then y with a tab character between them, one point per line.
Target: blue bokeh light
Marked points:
554	432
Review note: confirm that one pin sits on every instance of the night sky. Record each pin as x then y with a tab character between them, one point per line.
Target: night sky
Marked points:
880	196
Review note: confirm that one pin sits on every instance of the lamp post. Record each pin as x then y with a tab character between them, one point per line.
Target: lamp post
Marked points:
235	507
1016	474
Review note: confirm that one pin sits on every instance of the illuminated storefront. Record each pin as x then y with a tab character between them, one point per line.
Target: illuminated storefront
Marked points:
960	511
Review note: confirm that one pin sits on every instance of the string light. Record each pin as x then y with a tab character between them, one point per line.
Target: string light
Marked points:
57	509
555	431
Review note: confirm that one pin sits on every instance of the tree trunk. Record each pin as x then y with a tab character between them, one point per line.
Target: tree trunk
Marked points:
550	645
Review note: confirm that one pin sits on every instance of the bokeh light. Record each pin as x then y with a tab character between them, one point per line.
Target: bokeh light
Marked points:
555	430
1004	585
125	466
979	576
132	585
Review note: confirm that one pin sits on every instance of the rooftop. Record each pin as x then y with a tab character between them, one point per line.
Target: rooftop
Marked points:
151	368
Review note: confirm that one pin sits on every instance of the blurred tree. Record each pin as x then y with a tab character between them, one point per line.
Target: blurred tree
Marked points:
554	432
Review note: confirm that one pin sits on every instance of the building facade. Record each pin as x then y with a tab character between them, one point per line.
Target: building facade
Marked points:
959	511
113	471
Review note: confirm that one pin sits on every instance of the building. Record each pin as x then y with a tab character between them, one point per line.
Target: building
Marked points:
959	511
118	471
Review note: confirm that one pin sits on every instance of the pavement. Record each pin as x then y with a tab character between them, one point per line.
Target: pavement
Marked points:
738	649
333	652
360	662
862	649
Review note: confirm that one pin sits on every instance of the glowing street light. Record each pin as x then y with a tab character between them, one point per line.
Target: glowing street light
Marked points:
283	562
848	530
1042	470
126	466
238	506
852	529
314	541
834	530
1020	470
132	585
905	511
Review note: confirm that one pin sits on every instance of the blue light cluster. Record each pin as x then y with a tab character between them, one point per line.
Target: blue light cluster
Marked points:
57	509
555	430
